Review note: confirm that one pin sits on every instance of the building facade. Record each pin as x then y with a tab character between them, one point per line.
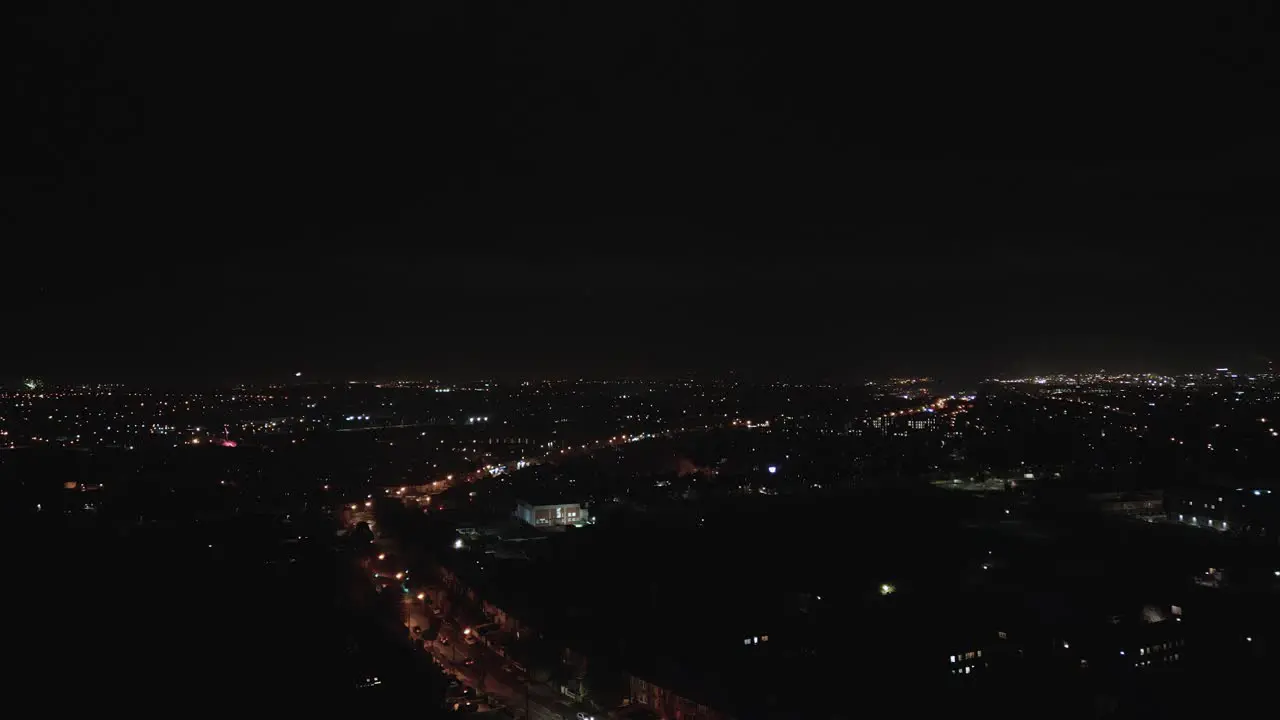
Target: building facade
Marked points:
551	515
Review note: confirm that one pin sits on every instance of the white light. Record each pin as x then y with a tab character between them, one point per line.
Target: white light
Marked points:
457	544
773	469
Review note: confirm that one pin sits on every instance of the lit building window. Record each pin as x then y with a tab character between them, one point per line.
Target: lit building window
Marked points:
953	658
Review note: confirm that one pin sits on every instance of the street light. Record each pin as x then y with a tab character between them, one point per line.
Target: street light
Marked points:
422	596
382	556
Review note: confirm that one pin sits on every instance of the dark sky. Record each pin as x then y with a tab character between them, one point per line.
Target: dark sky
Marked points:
457	189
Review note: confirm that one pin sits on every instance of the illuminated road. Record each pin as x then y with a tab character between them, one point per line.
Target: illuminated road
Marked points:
495	469
489	673
386	427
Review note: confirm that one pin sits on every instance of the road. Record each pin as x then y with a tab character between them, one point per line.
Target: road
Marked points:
488	673
588	447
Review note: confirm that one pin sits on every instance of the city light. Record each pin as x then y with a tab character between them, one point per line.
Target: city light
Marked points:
887	589
457	544
422	596
382	556
773	469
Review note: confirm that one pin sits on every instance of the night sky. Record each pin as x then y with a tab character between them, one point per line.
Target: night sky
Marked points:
524	189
